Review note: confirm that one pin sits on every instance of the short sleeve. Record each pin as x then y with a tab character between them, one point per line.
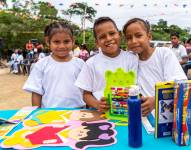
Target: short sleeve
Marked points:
85	78
183	52
34	81
172	67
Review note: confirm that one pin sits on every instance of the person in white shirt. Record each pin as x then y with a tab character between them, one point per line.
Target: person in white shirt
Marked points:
51	81
155	64
178	49
92	77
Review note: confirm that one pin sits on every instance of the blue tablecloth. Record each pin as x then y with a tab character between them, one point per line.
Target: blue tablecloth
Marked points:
149	142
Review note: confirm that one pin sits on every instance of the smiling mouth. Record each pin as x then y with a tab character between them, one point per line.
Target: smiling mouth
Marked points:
111	44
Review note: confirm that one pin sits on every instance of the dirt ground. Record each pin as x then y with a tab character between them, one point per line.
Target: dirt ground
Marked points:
11	94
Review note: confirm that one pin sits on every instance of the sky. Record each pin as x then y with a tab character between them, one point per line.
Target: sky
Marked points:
176	12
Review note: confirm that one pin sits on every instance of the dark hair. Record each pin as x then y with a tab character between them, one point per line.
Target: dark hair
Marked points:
46	30
56	27
94	133
175	34
145	23
101	20
83	46
188	41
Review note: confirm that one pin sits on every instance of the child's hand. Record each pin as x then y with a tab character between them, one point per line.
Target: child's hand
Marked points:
102	105
147	105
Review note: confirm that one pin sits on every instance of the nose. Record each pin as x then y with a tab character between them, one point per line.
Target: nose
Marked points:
108	37
134	40
62	45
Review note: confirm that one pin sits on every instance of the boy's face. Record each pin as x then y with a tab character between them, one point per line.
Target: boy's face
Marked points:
174	40
108	38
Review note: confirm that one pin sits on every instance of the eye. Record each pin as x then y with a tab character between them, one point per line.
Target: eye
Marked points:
112	33
67	41
56	42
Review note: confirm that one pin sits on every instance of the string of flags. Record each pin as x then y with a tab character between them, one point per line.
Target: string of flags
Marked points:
127	4
184	5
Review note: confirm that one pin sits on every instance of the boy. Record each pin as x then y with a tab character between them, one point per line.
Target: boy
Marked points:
92	77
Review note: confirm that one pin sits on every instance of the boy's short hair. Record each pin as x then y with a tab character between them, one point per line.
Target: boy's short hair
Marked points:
101	20
175	34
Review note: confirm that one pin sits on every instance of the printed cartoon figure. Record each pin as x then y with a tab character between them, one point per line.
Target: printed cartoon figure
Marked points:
120	78
91	134
61	116
77	135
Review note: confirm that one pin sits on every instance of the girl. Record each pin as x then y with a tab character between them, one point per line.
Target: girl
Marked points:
51	81
155	64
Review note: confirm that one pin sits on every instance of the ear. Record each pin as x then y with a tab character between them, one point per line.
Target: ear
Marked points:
150	36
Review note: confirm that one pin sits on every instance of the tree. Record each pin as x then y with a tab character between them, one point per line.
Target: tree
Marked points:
86	12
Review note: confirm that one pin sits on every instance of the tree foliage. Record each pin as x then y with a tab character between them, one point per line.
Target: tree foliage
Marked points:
24	22
161	31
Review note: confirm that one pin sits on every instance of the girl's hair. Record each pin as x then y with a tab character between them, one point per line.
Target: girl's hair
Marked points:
188	41
98	134
145	23
57	27
101	20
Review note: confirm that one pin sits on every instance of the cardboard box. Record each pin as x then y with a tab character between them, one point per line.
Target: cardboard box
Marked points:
164	99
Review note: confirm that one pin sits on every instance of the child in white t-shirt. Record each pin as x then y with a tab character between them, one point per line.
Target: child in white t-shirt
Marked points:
52	78
92	77
155	64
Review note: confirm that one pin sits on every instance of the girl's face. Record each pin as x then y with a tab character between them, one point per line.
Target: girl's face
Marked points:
78	133
61	44
108	38
137	38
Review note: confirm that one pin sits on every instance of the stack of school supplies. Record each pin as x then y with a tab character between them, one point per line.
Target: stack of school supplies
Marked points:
182	113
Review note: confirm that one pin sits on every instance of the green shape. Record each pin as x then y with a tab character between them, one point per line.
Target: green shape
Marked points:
120	79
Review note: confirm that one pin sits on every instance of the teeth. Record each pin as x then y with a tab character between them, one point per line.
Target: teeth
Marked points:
109	44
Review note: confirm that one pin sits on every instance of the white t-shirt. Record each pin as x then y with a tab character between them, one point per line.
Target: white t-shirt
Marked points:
161	66
55	82
41	55
92	76
180	51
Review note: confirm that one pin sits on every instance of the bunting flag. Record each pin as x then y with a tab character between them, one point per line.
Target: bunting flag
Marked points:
121	5
184	5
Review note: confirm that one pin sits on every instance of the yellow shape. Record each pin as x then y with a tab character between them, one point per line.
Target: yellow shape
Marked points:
18	138
52	116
